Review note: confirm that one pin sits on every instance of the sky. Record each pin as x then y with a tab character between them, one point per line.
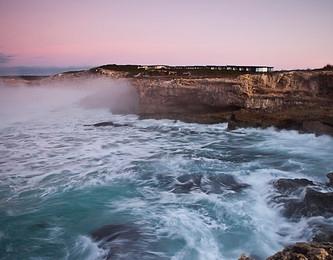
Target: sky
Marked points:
286	34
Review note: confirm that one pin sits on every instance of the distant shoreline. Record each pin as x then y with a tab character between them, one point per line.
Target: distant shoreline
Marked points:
25	71
299	99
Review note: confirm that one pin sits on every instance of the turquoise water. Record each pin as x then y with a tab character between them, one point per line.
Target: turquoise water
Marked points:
60	180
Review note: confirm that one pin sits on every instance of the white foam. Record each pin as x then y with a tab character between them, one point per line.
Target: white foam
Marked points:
85	248
53	152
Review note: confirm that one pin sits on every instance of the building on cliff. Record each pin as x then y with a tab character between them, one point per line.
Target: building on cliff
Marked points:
249	68
209	67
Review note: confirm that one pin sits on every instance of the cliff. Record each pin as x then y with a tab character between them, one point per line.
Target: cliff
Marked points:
301	100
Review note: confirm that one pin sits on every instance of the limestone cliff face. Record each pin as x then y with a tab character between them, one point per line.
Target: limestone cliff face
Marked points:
300	100
285	89
189	95
269	92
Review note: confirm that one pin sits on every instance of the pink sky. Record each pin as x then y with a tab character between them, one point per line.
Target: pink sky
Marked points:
283	33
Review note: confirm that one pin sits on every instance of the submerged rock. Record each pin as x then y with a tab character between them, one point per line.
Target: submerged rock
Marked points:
305	251
108	123
286	186
111	232
221	182
217	183
124	242
187	183
330	178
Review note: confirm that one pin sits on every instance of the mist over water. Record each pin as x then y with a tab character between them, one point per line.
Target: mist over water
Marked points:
21	103
61	179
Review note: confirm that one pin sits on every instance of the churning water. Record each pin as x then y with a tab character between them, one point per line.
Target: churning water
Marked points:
61	179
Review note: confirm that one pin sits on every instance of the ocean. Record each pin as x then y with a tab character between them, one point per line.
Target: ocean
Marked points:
168	189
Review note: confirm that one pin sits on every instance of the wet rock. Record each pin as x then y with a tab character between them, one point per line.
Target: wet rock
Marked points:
110	232
217	184
244	257
330	178
123	242
317	127
325	234
314	203
319	229
109	123
221	182
286	186
187	183
305	251
164	181
302	198
41	225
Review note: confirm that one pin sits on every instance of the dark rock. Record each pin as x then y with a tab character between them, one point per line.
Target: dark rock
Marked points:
124	242
109	123
285	186
305	251
111	232
314	203
244	257
320	229
41	225
300	198
164	181
317	127
187	183
325	234
319	202
217	183
195	178
221	182
330	178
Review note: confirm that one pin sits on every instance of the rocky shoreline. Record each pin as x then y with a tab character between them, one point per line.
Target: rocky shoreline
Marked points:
298	199
301	251
297	100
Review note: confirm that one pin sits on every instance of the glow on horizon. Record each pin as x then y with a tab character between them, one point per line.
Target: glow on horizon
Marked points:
284	33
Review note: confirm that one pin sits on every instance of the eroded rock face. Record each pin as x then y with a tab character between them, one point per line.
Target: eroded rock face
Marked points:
301	100
305	251
177	96
266	92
